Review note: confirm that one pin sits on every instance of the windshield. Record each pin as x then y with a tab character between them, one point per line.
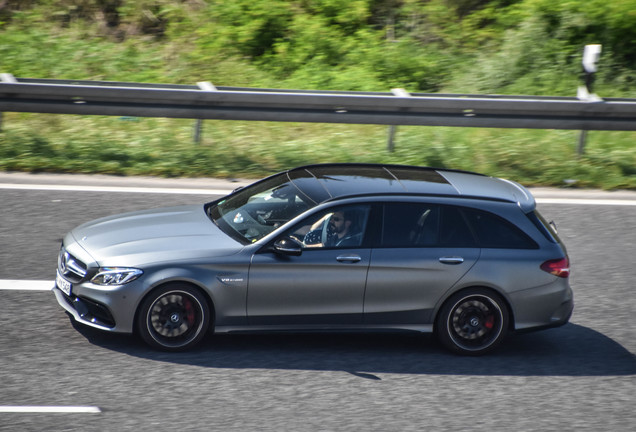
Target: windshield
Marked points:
253	212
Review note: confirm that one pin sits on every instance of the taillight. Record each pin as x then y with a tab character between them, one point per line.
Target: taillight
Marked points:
558	267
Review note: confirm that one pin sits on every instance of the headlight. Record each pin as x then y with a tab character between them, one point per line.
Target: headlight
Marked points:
115	276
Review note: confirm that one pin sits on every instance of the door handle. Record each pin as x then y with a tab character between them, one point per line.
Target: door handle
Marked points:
349	258
451	260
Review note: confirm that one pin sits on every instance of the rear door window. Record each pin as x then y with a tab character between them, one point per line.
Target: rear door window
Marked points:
410	225
453	230
424	225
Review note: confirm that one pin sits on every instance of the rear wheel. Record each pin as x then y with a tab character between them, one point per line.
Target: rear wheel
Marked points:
473	322
173	318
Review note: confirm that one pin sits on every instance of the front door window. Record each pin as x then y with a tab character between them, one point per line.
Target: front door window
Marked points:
339	227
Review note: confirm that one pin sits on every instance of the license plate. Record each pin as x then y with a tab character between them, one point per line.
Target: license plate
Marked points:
63	284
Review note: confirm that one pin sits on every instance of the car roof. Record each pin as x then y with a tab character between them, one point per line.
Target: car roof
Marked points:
325	182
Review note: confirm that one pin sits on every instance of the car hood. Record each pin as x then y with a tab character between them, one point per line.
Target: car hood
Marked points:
153	236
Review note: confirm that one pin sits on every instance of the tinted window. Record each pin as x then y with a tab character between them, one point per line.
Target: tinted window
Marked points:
416	174
548	231
353	180
424	225
454	231
410	224
495	232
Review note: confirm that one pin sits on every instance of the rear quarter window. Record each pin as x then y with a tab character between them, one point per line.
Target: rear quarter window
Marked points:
493	231
544	227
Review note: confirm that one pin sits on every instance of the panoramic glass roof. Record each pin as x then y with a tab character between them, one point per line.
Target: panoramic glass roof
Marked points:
329	181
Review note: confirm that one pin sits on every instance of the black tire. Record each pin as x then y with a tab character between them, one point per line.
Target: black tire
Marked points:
174	317
473	322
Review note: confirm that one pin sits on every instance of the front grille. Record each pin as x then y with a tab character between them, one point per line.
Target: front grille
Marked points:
70	267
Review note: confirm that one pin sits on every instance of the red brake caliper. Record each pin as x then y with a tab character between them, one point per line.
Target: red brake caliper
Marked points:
490	322
189	311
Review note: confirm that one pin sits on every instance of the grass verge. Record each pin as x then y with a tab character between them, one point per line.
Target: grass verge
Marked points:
165	147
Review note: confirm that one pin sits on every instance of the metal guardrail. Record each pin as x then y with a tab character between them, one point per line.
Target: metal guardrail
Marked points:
398	107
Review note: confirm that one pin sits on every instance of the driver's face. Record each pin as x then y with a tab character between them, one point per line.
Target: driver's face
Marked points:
337	222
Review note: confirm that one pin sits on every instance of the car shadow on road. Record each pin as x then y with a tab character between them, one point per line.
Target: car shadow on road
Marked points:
571	350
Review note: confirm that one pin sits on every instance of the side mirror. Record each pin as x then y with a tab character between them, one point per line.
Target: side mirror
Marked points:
287	246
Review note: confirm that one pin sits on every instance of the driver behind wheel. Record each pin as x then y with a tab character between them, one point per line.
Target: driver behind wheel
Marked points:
341	231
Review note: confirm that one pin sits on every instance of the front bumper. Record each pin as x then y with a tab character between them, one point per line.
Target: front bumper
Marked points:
85	311
111	309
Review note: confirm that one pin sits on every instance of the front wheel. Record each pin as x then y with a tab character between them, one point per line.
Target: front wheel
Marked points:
472	322
173	318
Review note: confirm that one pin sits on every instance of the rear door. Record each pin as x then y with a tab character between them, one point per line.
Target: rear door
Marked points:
424	249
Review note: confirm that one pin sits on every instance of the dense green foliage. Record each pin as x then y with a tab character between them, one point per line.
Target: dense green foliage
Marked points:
492	46
461	46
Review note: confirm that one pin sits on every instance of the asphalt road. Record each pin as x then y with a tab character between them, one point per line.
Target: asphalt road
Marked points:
578	377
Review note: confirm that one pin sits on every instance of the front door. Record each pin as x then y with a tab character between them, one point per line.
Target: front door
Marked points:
321	287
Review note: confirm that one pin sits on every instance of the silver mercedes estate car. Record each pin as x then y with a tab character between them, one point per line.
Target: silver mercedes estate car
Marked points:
345	247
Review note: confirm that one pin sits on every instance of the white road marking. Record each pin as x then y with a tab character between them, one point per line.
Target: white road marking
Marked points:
592	202
26	285
50	409
71	188
195	191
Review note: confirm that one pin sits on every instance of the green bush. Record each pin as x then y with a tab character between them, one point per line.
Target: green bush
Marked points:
462	46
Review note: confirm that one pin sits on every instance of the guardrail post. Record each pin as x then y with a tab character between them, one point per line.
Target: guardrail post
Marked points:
582	140
198	125
390	145
196	135
10	79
